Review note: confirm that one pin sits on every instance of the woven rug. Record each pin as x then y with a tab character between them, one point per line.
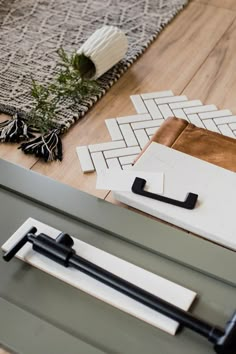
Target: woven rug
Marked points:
31	31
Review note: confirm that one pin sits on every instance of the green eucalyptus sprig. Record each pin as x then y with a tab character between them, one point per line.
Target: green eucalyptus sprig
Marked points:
71	83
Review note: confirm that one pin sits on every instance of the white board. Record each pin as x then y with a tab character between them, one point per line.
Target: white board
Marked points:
214	216
151	282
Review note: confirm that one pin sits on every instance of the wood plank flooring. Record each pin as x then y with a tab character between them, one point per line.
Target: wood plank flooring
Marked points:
194	55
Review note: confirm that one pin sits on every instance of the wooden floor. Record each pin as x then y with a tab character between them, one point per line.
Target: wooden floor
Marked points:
194	55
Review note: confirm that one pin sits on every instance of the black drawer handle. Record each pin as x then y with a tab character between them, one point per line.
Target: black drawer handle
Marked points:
188	203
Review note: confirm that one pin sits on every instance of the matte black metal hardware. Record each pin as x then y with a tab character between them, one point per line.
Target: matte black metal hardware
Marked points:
60	250
188	203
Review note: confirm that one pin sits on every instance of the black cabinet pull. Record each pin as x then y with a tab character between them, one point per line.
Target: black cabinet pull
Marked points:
60	250
188	203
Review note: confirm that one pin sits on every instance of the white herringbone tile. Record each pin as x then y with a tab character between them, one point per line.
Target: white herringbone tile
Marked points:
130	134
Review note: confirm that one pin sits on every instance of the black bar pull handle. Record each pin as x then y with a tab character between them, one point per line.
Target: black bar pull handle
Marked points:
188	203
60	250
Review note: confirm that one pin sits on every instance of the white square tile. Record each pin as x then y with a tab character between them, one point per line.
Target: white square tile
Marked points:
179	113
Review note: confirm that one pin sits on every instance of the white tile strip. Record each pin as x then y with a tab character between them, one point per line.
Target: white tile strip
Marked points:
127	167
135	118
142	137
225	130
194	119
122	152
200	109
153	109
99	161
138	104
185	104
128	135
210	125
179	113
107	146
113	129
146	96
170	99
165	110
86	162
150	123
215	114
225	120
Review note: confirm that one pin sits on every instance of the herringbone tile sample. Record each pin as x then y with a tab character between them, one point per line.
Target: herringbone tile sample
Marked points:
130	134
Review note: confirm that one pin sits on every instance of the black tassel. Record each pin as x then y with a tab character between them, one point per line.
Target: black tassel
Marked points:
47	146
14	130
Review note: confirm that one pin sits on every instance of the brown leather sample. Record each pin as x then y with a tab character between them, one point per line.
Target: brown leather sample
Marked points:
198	142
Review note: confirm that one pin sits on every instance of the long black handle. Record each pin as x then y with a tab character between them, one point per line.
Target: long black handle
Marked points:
188	203
61	251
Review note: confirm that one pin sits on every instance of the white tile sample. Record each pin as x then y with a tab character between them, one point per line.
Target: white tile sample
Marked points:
146	96
107	146
138	104
214	215
128	135
113	129
159	286
86	162
122	152
136	130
